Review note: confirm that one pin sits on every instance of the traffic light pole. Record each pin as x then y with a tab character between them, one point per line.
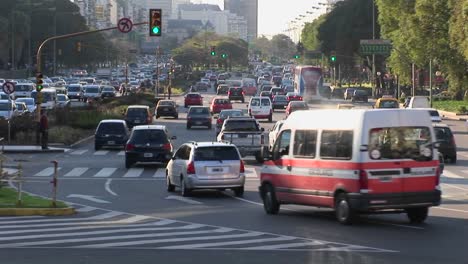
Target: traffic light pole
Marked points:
39	53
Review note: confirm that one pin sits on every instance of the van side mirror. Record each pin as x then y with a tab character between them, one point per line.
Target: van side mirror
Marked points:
266	153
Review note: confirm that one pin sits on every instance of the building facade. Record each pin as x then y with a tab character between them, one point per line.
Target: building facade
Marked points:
248	9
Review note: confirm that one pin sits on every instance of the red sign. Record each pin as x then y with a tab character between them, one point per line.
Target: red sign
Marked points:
125	25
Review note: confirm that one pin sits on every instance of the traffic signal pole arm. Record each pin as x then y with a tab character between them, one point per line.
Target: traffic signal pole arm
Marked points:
39	53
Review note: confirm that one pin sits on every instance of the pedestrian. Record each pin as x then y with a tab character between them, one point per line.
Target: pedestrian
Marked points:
44	129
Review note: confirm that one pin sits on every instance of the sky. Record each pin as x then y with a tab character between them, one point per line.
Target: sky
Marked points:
274	15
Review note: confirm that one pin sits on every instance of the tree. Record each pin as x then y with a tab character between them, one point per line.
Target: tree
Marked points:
282	47
261	46
309	35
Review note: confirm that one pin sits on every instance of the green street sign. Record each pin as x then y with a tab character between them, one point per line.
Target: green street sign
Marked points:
375	46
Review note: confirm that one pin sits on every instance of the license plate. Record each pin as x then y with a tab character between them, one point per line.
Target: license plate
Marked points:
137	121
216	170
111	142
166	109
198	123
148	155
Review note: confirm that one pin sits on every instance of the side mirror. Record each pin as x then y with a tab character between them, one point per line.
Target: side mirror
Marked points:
173	137
266	153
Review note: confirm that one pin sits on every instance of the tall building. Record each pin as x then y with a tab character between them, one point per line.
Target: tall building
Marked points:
247	9
175	7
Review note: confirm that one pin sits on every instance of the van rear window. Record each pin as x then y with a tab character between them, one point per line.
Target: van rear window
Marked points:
336	144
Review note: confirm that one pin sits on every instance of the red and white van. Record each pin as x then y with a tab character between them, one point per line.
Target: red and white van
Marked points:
355	161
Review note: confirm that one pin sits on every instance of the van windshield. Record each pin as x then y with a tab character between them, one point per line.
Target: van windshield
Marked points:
400	143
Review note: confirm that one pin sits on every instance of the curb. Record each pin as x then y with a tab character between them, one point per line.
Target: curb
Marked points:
34	150
452	116
37	211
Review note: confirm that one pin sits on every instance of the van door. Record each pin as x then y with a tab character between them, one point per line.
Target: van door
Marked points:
279	168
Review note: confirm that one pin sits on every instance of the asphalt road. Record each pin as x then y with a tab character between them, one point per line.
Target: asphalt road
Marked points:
126	216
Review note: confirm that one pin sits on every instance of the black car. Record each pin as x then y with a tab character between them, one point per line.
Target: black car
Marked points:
359	96
279	102
445	137
277	90
199	116
149	143
111	133
138	115
166	108
108	91
236	93
267	94
201	86
222	89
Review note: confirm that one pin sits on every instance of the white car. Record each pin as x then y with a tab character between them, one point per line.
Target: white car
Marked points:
30	104
435	117
273	133
8	109
260	107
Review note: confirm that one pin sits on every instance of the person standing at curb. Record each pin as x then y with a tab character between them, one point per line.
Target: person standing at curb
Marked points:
44	129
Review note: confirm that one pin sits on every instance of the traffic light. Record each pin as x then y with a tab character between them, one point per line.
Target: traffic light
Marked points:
39	82
78	46
224	55
213	51
155	28
333	57
297	56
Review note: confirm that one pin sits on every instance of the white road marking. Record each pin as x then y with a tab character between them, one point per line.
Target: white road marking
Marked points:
107	187
76	172
121	153
183	199
228	243
250	173
160	173
465	172
101	152
89	239
450	209
46	172
450	174
96	217
85	209
133	173
105	172
88	197
79	152
463	153
455	186
289	245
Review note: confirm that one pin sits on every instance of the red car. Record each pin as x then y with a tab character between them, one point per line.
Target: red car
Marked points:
193	99
295	106
220	103
294	96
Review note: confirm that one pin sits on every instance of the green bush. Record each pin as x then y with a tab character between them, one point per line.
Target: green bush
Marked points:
462	109
402	100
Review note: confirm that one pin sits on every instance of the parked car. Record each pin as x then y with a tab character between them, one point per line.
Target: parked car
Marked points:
137	115
279	102
166	108
359	96
225	114
296	106
293	96
206	165
446	140
148	143
112	133
198	116
236	93
193	99
220	103
108	91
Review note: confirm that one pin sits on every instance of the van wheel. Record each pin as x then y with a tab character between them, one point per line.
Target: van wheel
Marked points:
183	189
343	211
270	118
417	215
259	157
270	204
239	191
169	186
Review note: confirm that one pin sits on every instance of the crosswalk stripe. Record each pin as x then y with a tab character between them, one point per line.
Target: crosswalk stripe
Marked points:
79	152
154	241
250	173
465	172
101	152
96	217
463	153
89	239
160	173
76	172
105	172
450	174
288	245
46	172
230	243
121	153
133	173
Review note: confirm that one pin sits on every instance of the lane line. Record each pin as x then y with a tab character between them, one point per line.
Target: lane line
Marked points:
85	209
160	173
107	187
105	172
183	199
76	172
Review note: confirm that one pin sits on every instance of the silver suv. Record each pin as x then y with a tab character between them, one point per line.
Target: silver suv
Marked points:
206	165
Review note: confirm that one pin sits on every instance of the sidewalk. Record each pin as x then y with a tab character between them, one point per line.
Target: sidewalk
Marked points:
30	149
452	116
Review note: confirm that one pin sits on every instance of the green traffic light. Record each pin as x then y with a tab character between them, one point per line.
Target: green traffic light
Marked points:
224	55
213	53
297	56
333	58
156	30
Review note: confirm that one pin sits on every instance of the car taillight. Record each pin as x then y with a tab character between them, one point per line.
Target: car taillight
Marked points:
191	168
229	93
438	176
129	147
242	167
363	179
219	121
243	92
167	146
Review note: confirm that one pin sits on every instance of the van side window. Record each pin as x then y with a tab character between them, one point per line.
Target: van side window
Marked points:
305	142
281	147
336	144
